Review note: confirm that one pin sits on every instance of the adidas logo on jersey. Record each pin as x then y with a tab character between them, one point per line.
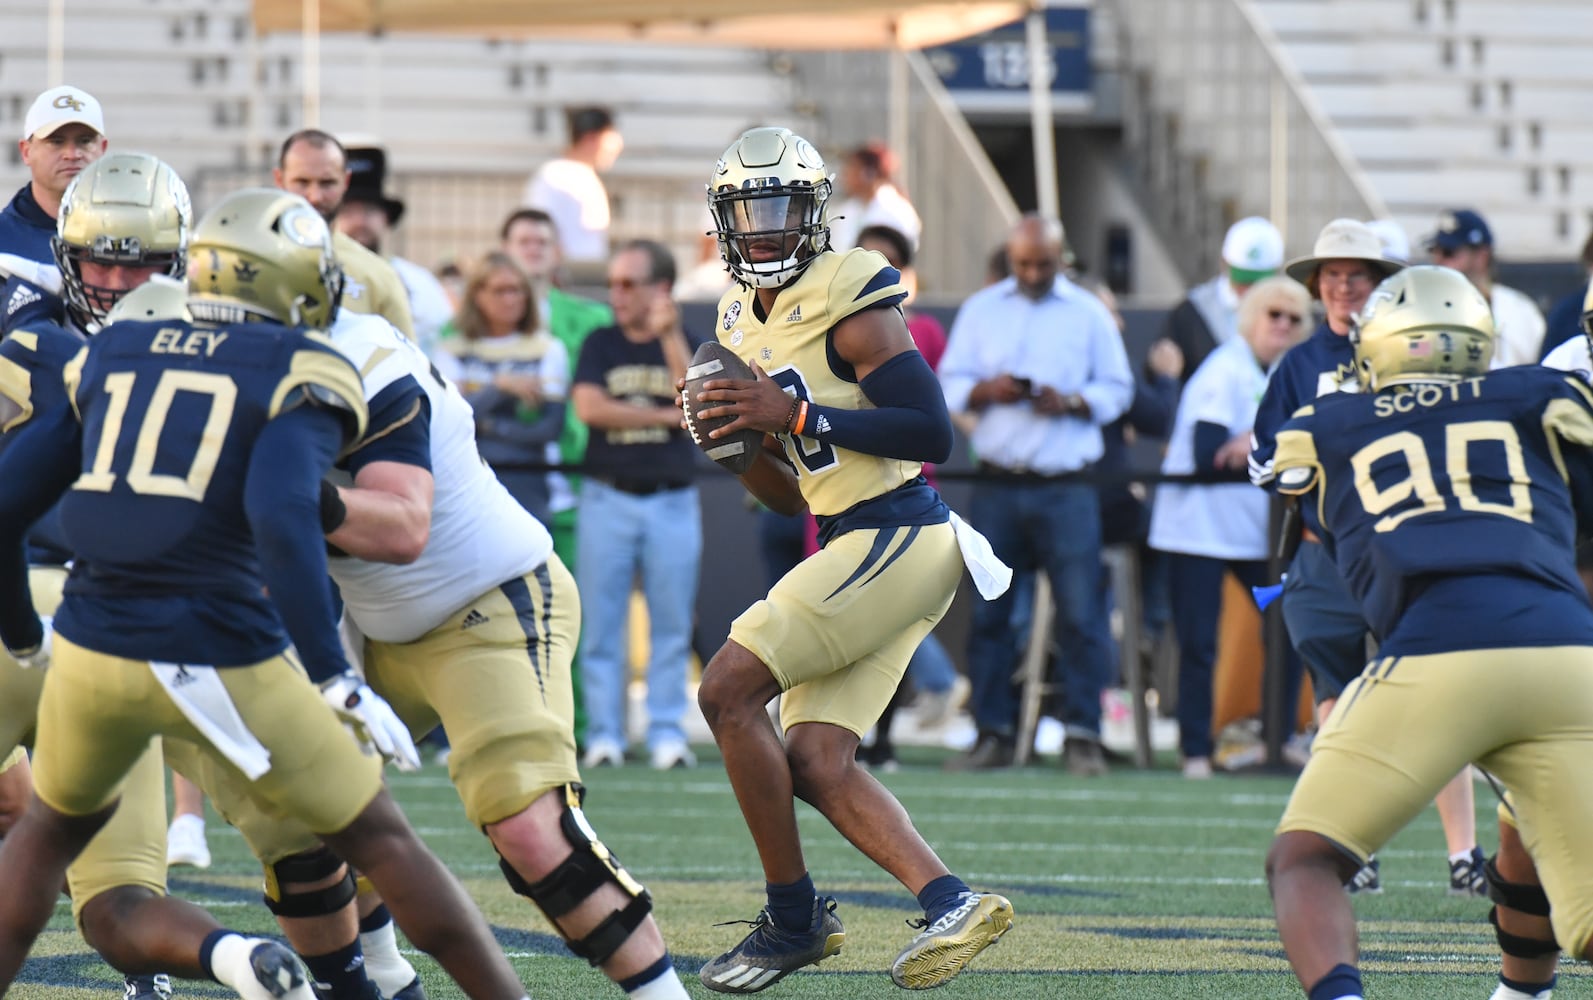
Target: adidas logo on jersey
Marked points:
823	425
473	618
794	316
21	297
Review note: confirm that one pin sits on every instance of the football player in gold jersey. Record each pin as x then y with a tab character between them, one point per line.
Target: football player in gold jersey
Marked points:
855	411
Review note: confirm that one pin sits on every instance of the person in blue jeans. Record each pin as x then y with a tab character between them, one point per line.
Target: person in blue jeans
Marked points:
640	518
1040	363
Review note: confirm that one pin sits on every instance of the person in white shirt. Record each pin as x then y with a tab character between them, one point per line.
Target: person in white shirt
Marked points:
1464	242
1208	529
571	191
872	199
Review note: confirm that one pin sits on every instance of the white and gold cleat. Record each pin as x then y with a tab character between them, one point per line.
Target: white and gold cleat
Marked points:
944	948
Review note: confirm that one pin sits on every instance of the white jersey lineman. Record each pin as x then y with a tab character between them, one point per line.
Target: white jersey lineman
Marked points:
480	536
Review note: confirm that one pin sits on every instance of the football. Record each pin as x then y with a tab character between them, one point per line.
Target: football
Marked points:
737	451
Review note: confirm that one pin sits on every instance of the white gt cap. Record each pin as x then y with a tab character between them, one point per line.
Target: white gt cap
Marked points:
62	106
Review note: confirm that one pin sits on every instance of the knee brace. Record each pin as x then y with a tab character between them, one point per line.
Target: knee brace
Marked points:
1520	896
1523	898
310	866
579	876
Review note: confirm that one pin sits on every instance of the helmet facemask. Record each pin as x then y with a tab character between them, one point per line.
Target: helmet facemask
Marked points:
768	236
89	303
768	194
124	210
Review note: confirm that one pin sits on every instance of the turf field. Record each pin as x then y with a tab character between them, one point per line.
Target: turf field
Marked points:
1140	885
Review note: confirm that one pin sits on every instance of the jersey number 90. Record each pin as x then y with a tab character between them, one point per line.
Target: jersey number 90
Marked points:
1420	484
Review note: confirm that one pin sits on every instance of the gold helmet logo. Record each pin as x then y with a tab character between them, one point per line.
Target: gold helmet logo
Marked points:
263	254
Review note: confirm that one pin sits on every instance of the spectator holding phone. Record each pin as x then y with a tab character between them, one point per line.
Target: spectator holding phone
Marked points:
1040	364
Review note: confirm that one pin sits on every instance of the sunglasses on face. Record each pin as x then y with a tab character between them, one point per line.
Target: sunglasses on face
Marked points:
1277	314
628	284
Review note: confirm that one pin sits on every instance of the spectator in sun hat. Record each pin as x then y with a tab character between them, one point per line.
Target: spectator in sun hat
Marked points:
368	215
1209	315
1464	242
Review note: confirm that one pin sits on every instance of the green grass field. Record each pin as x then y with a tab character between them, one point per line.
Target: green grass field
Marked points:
1139	885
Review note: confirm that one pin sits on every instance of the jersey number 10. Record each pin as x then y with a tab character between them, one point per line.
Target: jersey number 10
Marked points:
141	475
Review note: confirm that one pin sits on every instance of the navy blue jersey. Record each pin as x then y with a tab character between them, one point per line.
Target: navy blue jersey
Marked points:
26	228
31	361
1452	509
166	562
1324	363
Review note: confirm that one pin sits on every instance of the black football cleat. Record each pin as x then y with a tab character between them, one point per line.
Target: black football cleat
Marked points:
769	953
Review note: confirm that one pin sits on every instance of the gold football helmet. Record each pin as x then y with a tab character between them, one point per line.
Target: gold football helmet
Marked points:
263	254
124	209
768	195
1423	324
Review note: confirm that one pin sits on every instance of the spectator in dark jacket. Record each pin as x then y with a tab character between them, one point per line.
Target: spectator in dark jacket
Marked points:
1209	315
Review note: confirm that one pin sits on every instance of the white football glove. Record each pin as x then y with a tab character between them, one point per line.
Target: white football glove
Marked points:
37	658
355	703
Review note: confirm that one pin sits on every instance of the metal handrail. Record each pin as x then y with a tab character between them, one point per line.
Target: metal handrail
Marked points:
1301	91
1222	125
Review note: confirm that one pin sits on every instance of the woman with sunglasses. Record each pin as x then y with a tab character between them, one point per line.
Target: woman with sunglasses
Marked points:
1209	528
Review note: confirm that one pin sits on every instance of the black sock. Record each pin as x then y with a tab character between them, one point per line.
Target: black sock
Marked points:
791	905
1531	989
941	896
1342	981
376	919
207	946
647	975
340	973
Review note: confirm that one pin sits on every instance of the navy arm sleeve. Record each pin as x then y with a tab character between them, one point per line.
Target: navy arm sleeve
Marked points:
282	501
400	428
39	465
1276	407
1209	438
1155	402
910	421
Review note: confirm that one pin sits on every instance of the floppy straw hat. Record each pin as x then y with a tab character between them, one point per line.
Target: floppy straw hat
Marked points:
1343	239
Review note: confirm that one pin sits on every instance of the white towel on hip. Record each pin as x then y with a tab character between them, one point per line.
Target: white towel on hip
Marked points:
991	576
198	693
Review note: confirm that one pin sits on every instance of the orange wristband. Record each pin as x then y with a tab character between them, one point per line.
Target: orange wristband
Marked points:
802	418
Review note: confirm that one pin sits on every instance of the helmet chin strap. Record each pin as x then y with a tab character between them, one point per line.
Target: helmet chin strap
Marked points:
774	273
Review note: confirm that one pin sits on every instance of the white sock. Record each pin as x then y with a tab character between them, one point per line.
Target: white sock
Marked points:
1462	856
1506	993
384	966
666	987
189	819
229	963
